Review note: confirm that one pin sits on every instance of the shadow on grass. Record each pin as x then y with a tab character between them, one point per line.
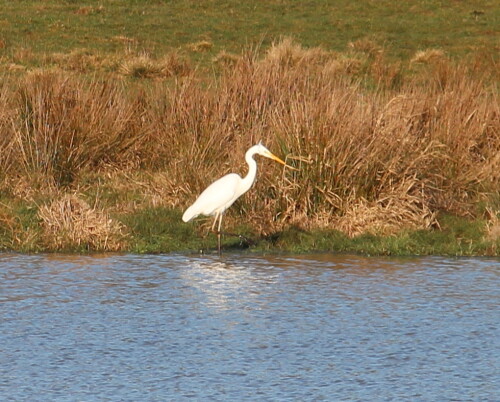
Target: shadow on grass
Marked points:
457	237
161	230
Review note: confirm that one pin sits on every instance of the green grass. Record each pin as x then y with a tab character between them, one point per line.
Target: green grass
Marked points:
159	230
457	237
160	26
19	226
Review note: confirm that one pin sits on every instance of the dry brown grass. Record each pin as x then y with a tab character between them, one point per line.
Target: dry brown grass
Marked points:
144	66
132	61
402	208
377	150
226	59
201	46
61	125
69	223
493	224
429	56
79	60
288	53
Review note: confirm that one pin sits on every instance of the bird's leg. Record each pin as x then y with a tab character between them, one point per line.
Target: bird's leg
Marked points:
218	216
220	223
215	221
219	233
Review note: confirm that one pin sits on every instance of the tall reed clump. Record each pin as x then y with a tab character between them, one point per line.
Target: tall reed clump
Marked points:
61	125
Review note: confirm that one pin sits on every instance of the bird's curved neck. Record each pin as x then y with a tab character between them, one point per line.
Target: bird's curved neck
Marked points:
249	179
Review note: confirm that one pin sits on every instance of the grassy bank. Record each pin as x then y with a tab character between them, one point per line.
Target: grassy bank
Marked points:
102	32
397	147
159	230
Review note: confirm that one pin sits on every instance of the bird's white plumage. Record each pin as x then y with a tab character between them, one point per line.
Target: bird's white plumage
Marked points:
216	198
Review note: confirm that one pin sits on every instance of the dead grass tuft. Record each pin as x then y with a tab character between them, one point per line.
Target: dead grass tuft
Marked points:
9	225
89	10
176	65
493	225
70	222
80	60
23	56
289	53
201	46
365	45
146	67
31	188
125	39
428	56
142	67
341	66
226	59
387	216
15	67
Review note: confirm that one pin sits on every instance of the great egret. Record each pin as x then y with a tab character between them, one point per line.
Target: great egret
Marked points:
222	193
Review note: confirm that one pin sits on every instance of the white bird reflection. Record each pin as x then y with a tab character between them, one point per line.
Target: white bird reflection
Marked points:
229	284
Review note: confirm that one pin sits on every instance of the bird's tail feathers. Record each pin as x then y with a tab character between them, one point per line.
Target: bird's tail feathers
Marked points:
189	214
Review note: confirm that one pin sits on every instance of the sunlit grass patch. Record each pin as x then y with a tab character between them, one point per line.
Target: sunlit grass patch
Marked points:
389	214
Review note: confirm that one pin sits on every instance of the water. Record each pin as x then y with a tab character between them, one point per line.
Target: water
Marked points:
156	328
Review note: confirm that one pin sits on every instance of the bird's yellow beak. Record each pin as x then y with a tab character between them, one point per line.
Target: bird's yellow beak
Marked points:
275	158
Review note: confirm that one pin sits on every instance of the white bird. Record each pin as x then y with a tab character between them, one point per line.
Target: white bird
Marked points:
222	193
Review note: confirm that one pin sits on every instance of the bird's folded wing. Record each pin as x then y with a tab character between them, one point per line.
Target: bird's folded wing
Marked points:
217	197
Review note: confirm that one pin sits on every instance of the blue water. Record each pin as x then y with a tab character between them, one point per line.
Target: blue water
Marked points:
156	328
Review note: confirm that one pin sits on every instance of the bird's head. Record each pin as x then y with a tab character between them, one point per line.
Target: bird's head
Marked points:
262	150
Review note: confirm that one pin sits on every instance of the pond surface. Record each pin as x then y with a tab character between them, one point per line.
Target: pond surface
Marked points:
240	327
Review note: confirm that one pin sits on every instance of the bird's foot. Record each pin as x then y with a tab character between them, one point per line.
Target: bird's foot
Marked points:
243	239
